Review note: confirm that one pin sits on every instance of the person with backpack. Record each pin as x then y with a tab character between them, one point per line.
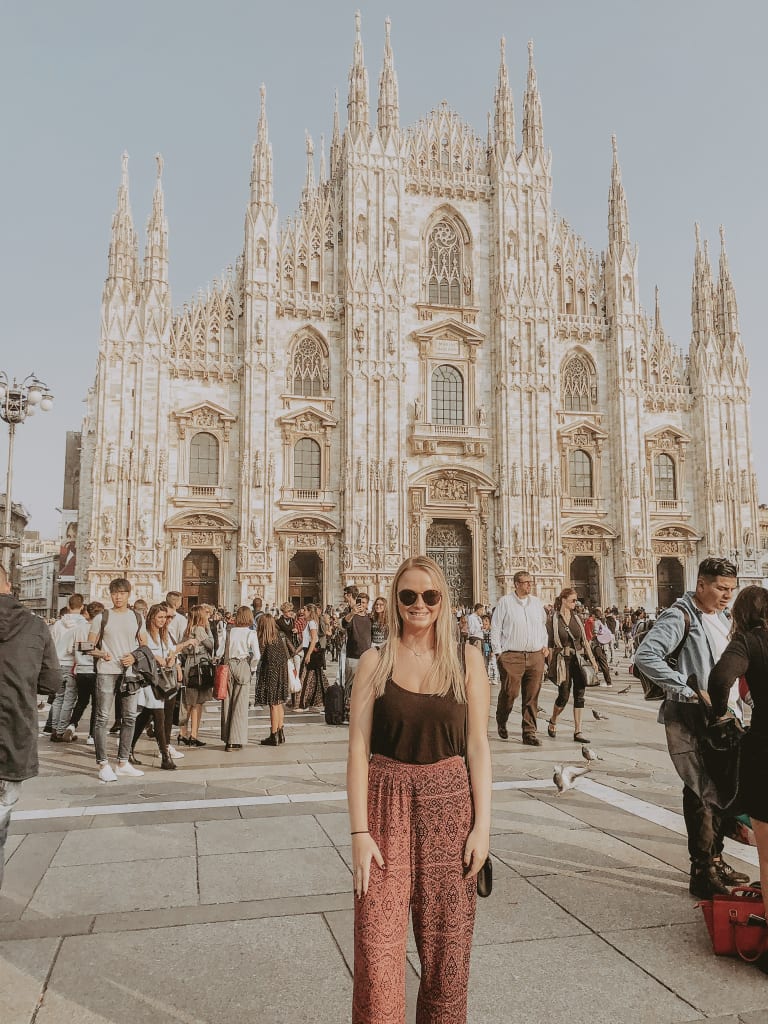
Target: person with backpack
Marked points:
693	634
116	633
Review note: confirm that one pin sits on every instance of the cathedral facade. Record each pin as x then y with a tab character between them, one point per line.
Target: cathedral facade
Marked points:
424	358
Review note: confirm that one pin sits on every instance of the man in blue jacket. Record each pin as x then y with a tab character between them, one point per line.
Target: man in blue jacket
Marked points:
28	666
684	717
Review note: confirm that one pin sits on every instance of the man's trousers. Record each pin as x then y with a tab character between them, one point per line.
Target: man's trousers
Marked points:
420	817
520	670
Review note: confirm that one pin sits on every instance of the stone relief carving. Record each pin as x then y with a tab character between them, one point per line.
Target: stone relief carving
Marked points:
258	470
391	476
146	466
392	534
360	476
448	487
145	529
517	543
108	526
544	484
515	488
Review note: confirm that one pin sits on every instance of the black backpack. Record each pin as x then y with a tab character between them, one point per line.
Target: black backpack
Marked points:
652	690
334	705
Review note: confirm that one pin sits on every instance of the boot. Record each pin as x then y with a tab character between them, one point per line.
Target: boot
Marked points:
727	874
705	883
281	735
168	764
271	740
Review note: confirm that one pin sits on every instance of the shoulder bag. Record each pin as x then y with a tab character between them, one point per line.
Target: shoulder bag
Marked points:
221	676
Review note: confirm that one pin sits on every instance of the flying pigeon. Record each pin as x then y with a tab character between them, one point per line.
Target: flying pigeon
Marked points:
626	689
564	778
598	717
590	755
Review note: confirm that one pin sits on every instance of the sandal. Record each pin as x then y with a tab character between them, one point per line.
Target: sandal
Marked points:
579	737
551	729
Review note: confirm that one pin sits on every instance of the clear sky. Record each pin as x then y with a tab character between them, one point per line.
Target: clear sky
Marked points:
681	82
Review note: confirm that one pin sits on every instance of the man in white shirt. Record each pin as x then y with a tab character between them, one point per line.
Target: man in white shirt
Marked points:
475	626
177	625
519	641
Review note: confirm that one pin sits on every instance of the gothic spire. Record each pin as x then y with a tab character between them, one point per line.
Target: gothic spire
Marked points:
503	107
357	102
618	215
123	245
336	136
389	105
156	251
261	171
702	294
309	182
323	172
657	316
533	120
727	309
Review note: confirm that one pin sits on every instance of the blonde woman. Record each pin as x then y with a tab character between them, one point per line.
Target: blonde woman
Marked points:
243	659
198	673
420	834
379	627
312	662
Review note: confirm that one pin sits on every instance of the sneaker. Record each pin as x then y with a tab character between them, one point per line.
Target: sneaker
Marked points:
70	736
128	769
106	774
176	754
90	741
705	883
727	874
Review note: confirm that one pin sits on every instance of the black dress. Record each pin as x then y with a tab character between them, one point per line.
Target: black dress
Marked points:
747	655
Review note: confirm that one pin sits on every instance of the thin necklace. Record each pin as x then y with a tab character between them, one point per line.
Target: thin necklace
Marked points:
417	654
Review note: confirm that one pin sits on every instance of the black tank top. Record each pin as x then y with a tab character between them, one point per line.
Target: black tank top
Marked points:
417	728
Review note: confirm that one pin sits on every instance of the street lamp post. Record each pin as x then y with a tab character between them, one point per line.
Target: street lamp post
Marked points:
17	402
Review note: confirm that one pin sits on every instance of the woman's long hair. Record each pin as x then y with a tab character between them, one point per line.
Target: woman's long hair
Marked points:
380	618
446	674
266	631
750	610
152	614
197	617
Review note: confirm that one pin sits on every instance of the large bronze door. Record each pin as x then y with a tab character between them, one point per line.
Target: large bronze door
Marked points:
670	582
200	579
585	579
305	583
450	544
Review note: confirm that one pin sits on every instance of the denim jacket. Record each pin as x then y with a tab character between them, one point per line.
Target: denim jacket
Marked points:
696	657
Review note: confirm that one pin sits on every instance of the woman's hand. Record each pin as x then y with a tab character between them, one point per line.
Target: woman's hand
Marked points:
476	851
364	850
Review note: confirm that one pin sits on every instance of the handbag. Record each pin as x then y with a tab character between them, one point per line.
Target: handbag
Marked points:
736	924
166	685
587	670
294	683
485	878
221	674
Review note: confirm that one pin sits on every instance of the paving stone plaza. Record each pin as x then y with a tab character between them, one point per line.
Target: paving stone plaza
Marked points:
223	893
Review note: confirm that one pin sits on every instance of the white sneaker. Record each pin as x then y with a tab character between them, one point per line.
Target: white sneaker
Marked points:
89	741
106	774
176	754
128	769
72	735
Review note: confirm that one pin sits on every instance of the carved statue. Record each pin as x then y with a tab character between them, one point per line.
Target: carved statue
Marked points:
360	476
375	470
517	544
556	481
362	532
107	525
162	466
258	471
481	416
637	541
144	529
346	557
391	346
629	359
497	536
392	533
549	536
544	485
418	409
255	532
391	479
146	466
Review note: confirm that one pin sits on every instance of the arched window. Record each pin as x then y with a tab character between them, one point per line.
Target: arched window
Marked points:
664	484
306	465
576	386
447	396
204	460
307	368
444	265
580	474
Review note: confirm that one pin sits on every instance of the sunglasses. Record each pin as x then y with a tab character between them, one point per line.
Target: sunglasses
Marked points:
409	597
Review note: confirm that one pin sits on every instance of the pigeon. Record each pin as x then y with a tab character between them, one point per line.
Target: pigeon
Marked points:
626	689
590	755
564	778
598	717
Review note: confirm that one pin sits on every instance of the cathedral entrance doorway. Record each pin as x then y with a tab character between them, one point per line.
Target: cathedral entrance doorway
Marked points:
200	579
670	582
305	578
585	579
450	544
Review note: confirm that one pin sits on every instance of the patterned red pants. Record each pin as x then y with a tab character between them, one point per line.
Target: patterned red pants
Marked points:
420	816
